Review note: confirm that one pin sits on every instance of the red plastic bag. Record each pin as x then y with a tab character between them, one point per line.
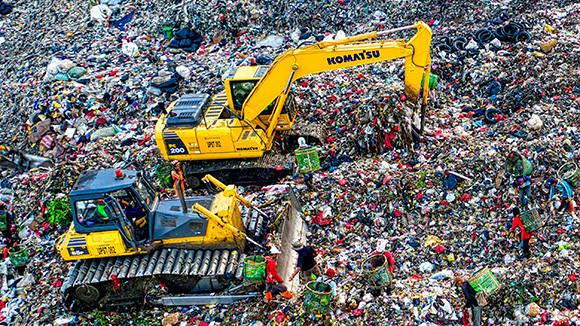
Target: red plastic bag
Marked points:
466	318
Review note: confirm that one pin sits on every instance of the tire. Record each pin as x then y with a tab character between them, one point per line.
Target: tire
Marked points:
193	182
87	293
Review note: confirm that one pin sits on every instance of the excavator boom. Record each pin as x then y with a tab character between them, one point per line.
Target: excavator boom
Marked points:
345	53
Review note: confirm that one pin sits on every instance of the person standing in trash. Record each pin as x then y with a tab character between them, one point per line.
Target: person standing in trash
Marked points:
274	283
523	185
565	190
328	277
306	262
525	236
179	184
470	301
381	250
9	229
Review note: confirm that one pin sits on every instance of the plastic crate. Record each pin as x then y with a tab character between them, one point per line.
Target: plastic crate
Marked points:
532	220
307	159
484	281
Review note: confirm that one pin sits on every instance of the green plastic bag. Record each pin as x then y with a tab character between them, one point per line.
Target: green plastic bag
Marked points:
76	72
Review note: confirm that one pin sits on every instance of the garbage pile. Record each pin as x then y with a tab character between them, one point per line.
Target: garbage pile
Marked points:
84	86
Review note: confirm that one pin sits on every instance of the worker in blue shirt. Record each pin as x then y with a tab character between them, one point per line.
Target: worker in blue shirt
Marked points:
524	185
328	277
470	301
565	190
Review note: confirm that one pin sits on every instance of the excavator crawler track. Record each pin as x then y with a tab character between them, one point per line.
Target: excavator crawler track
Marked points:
127	281
267	169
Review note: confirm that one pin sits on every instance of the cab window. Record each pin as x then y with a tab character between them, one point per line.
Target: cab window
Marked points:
240	91
146	192
95	212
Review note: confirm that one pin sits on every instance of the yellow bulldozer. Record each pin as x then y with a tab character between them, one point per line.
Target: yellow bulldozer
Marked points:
126	241
231	134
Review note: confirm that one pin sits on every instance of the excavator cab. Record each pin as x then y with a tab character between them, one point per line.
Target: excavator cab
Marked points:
241	84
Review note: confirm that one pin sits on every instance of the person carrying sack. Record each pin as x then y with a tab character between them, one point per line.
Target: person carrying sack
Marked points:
470	300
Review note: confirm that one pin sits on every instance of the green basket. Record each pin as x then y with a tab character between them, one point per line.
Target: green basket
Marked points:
163	172
254	269
376	272
168	32
569	172
532	220
517	164
3	220
433	81
317	297
307	159
484	281
18	255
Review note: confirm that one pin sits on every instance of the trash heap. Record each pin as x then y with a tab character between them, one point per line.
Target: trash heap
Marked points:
84	84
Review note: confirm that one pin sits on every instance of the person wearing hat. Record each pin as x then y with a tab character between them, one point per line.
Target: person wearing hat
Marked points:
306	262
470	301
525	236
523	184
101	216
328	277
565	190
274	283
179	184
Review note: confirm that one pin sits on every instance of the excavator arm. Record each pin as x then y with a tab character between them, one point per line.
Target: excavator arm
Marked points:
348	52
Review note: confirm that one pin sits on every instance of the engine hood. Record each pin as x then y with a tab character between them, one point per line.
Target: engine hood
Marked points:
171	222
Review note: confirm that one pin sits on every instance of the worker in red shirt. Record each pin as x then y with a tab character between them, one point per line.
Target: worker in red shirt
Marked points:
525	236
381	249
274	283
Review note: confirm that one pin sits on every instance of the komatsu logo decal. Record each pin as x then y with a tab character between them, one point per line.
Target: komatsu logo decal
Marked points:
247	148
354	57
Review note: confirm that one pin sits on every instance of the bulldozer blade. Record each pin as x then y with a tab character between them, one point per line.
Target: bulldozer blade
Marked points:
19	161
202	300
35	162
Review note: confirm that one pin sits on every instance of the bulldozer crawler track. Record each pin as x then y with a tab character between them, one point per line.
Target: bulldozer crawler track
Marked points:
106	281
126	281
267	169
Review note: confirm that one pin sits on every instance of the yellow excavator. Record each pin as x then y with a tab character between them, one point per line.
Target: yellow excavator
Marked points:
18	160
231	134
126	242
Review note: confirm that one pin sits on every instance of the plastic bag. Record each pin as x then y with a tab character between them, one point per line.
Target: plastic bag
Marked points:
183	71
76	72
101	13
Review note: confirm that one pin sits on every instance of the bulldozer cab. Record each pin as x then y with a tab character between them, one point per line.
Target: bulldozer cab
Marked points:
124	204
